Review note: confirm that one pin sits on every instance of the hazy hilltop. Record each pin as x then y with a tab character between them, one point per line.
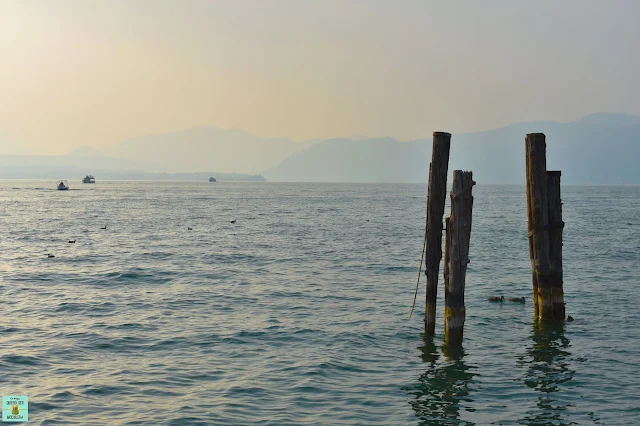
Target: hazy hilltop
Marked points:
85	151
348	160
601	148
208	148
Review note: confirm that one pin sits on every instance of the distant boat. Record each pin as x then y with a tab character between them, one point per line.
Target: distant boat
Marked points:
63	185
89	179
212	179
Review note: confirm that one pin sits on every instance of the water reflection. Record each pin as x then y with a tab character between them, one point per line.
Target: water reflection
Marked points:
548	367
443	388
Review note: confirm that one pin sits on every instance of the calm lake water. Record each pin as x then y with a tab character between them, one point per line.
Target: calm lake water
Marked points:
298	313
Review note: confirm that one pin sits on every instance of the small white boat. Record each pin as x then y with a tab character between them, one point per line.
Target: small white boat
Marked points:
63	185
89	179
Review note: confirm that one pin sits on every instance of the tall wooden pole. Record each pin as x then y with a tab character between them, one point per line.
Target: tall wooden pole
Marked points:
539	221
555	243
435	210
534	279
457	255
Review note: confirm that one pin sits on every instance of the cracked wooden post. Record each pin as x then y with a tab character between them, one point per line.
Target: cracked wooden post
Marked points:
555	243
435	210
457	255
539	222
534	279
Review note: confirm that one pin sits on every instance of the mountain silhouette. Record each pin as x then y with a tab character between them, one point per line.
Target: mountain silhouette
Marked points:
208	148
602	148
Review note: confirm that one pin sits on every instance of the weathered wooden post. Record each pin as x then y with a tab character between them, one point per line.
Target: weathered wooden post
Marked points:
537	201
534	279
435	210
457	255
538	221
555	243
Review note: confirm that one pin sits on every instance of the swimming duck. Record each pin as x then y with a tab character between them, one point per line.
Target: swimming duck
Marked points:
233	221
50	255
72	241
569	318
496	299
516	299
189	229
105	227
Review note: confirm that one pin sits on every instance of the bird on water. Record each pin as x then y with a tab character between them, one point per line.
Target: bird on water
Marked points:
72	241
233	221
105	227
50	255
496	299
516	299
189	229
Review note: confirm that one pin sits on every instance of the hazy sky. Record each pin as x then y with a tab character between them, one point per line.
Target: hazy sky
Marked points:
98	72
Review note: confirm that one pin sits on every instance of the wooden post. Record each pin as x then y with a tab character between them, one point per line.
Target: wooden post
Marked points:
435	210
534	279
446	254
457	255
539	221
555	243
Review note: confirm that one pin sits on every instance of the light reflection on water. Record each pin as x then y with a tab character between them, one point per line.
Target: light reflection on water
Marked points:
548	366
442	390
444	393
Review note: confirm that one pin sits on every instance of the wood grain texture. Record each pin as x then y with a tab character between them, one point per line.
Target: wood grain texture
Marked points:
435	211
556	226
457	255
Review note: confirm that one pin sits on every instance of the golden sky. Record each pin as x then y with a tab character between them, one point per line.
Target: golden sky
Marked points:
98	72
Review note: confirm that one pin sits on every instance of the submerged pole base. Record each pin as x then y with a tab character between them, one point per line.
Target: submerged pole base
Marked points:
430	320
551	304
454	325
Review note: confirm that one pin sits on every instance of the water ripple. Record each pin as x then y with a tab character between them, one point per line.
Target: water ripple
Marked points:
298	313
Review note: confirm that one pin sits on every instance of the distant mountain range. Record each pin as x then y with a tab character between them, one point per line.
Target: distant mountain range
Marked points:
208	148
602	148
